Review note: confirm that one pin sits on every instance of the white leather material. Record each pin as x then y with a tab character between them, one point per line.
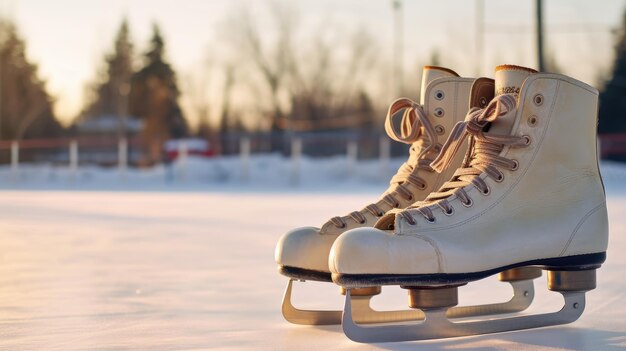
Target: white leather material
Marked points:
309	248
509	78
553	205
304	248
429	74
373	251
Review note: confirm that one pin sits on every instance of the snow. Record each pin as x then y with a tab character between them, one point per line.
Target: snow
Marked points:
260	173
91	261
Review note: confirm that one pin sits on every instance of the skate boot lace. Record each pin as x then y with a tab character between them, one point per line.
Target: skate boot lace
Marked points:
483	157
415	129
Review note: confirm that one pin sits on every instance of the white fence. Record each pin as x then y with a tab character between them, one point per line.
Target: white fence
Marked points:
74	154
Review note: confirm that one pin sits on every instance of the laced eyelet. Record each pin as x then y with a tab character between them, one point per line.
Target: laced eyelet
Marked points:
380	214
439	112
487	191
439	129
439	95
396	205
515	165
500	178
532	120
469	203
343	225
362	222
410	198
526	140
422	186
449	212
431	220
538	99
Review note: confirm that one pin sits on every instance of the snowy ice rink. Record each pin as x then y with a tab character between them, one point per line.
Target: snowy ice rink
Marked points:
192	268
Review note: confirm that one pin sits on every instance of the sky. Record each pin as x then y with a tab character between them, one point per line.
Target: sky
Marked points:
69	38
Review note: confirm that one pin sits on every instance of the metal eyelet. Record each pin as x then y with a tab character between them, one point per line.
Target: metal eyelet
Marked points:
439	95
500	179
450	212
526	140
469	203
515	165
422	187
380	214
538	99
482	101
343	225
431	220
410	198
439	112
487	191
362	222
440	130
532	120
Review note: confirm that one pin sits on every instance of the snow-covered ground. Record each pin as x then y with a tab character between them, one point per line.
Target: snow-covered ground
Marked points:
150	264
270	172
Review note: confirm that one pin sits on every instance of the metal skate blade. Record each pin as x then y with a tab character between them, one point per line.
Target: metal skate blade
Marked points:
436	324
363	313
307	317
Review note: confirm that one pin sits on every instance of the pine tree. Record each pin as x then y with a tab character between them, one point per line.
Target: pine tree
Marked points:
25	106
112	93
154	98
612	98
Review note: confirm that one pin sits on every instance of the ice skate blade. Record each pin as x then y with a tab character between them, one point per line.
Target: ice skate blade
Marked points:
306	317
523	294
436	324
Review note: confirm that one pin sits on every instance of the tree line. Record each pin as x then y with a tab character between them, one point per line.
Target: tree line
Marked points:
278	86
334	79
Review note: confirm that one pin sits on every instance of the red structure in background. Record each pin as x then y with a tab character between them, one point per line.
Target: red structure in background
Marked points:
193	147
612	146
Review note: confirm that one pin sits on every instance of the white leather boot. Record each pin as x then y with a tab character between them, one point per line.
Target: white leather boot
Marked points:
528	195
302	254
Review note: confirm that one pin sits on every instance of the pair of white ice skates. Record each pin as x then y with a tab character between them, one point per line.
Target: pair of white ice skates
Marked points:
510	187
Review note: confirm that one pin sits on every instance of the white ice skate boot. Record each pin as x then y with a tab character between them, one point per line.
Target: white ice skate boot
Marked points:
529	194
302	254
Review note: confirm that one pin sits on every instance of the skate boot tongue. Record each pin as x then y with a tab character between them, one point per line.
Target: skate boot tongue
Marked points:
509	79
431	73
496	119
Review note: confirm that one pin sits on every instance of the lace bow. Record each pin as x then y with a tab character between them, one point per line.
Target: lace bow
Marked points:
413	118
474	123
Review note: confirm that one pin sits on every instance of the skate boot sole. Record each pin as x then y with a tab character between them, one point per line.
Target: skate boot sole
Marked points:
568	263
304	274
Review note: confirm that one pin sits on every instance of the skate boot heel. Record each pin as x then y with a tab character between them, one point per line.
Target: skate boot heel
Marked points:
583	280
370	291
426	298
519	274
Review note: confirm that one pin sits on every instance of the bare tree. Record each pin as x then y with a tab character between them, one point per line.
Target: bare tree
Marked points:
272	62
196	88
318	82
